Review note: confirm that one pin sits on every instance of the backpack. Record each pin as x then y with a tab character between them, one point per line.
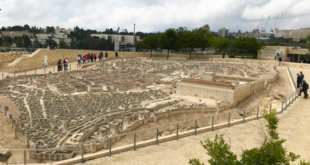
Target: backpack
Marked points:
307	86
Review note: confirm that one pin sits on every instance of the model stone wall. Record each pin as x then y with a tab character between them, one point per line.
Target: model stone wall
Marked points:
220	94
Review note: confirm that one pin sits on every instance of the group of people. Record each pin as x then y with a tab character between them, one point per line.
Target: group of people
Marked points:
302	84
92	57
62	63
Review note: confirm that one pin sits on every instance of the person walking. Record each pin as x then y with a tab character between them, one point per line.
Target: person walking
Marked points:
59	65
95	57
116	54
106	54
304	89
299	80
79	59
65	62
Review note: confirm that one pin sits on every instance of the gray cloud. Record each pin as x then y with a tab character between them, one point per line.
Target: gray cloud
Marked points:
150	15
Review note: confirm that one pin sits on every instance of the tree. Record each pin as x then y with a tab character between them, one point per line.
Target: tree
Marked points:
181	38
168	40
308	44
37	44
151	42
6	44
189	40
203	36
62	44
247	45
271	150
50	42
26	41
220	44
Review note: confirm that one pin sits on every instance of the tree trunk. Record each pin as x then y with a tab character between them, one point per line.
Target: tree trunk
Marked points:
168	55
151	54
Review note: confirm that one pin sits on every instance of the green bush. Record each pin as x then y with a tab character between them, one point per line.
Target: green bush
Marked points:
5	157
231	56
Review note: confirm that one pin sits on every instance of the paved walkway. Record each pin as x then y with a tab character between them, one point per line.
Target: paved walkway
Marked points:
293	126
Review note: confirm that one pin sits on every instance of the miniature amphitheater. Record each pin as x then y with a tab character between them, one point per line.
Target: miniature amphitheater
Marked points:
58	111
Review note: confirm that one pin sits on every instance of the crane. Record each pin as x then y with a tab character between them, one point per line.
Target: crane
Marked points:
277	28
264	29
260	23
275	25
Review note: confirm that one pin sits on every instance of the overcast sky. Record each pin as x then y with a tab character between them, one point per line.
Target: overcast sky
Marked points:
155	15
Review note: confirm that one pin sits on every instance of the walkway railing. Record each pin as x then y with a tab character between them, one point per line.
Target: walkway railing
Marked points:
107	146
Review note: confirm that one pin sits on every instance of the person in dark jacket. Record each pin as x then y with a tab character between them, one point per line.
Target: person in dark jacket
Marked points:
304	89
299	80
59	65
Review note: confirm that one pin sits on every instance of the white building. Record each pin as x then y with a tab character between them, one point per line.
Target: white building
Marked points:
223	32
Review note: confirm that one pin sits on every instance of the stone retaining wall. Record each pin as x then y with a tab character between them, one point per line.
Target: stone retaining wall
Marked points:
8	57
54	55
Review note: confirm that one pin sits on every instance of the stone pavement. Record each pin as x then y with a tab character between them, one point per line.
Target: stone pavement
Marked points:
293	126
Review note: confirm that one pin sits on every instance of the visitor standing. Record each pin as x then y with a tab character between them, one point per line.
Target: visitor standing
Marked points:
65	62
299	80
302	76
106	54
101	55
280	60
95	57
79	59
116	54
91	57
223	55
59	65
84	59
304	89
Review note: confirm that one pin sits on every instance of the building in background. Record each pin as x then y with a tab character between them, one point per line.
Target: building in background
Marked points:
295	34
13	34
223	32
119	40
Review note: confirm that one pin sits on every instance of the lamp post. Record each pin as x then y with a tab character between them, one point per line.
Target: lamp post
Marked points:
134	34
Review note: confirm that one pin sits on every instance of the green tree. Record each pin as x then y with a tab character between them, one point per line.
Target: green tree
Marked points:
203	36
220	44
270	152
247	45
189	40
168	40
181	38
37	44
276	43
26	41
50	42
62	44
150	42
308	44
6	44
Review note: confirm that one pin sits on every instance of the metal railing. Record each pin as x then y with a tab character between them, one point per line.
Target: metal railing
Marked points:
156	135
